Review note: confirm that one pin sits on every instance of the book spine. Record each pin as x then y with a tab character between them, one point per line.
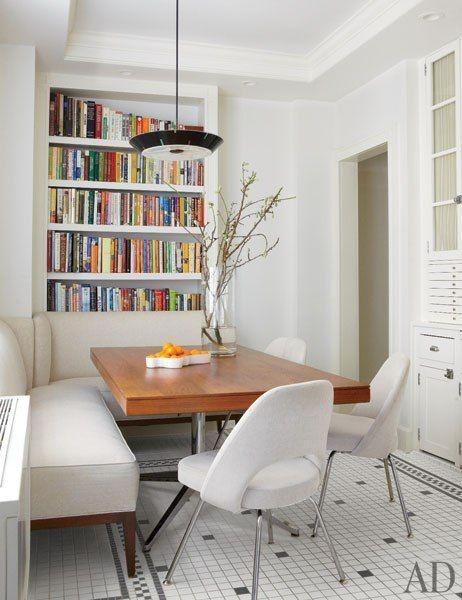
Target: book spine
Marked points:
98	120
90	119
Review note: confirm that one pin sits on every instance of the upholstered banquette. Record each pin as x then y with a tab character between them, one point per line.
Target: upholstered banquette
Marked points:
82	471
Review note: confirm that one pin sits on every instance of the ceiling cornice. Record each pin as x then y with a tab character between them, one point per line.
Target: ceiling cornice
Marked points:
146	52
365	24
138	51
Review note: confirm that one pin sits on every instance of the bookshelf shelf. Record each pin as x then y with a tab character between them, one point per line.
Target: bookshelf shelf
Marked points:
124	276
127	187
61	140
144	229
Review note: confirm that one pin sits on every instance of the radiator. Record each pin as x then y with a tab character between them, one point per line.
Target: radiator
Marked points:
14	497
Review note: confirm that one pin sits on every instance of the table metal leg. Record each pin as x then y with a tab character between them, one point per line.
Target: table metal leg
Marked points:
294	531
197	433
197	445
178	502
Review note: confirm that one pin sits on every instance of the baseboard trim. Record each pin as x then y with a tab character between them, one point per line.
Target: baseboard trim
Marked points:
406	440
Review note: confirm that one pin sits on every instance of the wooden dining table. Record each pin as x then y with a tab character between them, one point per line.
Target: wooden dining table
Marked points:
225	385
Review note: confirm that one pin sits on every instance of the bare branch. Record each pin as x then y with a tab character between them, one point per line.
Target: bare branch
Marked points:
232	235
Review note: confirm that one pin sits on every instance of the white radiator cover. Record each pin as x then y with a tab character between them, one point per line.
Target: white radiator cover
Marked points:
14	497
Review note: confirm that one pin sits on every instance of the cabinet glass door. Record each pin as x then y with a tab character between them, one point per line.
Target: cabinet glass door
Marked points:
444	106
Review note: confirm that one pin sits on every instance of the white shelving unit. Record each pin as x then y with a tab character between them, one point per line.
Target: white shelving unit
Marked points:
58	140
154	99
124	276
129	229
127	187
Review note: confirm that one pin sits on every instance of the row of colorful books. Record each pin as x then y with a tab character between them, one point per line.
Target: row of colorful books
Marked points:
74	117
80	253
77	164
76	297
95	207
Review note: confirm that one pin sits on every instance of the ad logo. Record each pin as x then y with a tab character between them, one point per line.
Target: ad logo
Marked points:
442	579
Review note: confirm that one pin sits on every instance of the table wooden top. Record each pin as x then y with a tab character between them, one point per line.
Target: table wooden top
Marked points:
230	383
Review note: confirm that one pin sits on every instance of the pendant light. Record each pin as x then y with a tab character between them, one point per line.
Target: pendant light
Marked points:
176	144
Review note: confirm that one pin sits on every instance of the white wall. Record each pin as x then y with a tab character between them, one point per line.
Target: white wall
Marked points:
316	294
389	103
260	133
17	86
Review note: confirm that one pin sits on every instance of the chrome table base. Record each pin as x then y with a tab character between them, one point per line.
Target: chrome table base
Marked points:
197	445
273	521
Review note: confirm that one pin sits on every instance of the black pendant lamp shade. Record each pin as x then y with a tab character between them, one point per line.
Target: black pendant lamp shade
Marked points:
182	144
176	144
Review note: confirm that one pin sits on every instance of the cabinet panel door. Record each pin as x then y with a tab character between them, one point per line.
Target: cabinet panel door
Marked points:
444	172
438	397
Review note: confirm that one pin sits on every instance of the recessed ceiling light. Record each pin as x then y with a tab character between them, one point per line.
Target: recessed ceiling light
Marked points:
126	73
249	83
431	16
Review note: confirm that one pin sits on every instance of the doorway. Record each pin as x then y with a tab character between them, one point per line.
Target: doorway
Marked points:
364	263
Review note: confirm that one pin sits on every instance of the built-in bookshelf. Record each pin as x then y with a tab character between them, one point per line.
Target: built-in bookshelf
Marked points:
121	230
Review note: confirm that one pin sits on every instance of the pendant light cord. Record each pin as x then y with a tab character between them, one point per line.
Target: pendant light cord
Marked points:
176	80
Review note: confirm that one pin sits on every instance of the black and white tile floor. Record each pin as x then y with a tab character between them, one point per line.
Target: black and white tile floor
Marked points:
89	564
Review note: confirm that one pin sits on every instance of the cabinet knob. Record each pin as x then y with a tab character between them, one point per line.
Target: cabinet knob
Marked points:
434	349
449	374
458	199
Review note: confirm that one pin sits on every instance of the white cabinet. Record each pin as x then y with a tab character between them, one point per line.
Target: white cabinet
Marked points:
438	376
442	184
443	151
438	403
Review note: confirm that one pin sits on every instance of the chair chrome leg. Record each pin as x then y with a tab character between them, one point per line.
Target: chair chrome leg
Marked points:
388	476
341	574
179	552
400	496
256	556
269	521
322	496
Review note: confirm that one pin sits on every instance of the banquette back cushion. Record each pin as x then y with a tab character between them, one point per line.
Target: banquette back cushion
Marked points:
63	340
16	355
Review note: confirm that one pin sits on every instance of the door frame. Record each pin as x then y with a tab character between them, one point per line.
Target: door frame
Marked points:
397	234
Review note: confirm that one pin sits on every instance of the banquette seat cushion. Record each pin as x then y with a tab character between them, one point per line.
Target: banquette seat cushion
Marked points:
77	450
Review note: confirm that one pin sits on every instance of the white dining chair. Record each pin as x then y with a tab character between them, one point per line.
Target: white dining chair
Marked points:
293	349
274	457
371	429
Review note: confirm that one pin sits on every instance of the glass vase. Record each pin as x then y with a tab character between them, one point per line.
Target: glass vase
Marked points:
218	331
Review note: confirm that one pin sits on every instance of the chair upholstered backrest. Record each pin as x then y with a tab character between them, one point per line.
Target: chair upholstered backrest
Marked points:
63	340
286	422
293	349
13	378
384	407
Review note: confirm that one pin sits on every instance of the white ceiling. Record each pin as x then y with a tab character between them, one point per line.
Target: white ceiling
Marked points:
291	49
291	26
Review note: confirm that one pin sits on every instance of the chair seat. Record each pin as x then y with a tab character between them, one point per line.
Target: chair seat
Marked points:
281	484
346	431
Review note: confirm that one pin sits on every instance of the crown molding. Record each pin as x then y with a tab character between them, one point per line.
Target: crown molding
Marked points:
152	53
361	27
138	51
